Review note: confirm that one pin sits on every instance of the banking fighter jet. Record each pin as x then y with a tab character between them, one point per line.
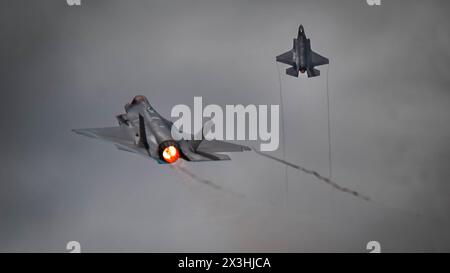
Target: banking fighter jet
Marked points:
301	57
144	131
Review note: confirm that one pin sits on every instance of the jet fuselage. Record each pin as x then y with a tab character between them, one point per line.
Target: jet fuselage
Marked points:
154	131
301	51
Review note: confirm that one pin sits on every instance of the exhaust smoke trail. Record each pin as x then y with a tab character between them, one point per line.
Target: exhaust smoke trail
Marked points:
203	181
315	174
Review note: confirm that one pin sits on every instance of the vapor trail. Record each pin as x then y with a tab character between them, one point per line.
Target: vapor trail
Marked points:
283	131
315	174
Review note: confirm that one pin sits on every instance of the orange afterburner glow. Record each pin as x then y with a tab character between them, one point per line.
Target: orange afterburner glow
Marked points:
170	154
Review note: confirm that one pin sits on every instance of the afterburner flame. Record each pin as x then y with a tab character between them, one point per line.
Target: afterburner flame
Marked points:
171	154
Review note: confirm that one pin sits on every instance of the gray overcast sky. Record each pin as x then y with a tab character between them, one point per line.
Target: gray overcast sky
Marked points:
75	67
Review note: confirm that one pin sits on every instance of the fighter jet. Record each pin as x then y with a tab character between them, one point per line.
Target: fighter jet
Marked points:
142	130
302	58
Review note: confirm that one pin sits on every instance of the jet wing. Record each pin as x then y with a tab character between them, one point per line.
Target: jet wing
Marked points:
318	60
111	134
121	137
286	58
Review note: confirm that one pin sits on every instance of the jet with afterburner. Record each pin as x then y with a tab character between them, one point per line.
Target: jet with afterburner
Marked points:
142	130
301	57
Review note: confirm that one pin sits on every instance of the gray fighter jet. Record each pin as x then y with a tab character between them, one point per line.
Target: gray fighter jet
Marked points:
144	131
302	58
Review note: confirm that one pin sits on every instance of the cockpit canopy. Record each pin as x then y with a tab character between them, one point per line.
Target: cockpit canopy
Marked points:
138	99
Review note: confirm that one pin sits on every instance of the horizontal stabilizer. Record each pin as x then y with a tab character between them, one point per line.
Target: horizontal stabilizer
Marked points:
292	72
313	73
217	146
205	150
214	156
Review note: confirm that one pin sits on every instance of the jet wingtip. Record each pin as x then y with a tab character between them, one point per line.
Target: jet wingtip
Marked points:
79	131
83	132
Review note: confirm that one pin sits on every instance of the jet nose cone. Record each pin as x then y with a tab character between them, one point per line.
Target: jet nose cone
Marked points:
139	99
301	29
